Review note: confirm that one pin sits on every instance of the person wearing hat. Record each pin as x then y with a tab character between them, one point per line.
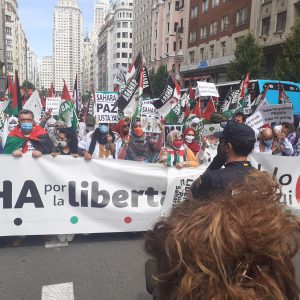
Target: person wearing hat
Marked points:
236	143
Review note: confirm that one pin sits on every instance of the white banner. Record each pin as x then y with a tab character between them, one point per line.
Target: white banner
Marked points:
277	113
54	104
205	89
149	117
105	108
255	121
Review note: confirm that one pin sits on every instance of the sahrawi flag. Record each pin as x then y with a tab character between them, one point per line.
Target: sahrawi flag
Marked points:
8	105
169	97
282	96
67	111
75	94
127	94
134	66
145	89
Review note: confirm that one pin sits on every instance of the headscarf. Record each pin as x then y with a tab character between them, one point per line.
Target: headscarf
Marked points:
118	128
194	146
174	155
10	120
173	135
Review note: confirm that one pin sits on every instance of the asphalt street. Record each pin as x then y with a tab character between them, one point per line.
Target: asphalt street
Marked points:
102	266
98	266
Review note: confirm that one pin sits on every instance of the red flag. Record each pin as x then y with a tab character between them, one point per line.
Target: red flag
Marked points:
75	95
43	101
65	94
209	110
116	88
191	93
51	91
176	93
244	86
197	109
186	111
16	97
9	87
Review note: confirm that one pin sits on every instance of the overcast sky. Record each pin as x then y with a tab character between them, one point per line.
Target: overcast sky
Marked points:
36	17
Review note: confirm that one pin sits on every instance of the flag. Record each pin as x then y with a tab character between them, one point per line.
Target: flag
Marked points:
197	109
260	99
8	106
134	66
244	86
75	94
127	94
209	109
17	98
169	97
34	104
282	96
191	93
67	111
51	91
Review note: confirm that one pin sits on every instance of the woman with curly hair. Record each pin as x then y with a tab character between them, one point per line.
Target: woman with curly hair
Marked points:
236	246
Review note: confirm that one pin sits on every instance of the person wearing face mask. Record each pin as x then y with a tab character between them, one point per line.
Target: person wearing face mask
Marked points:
236	143
67	143
86	127
51	129
98	143
10	124
137	146
28	137
189	140
176	153
264	141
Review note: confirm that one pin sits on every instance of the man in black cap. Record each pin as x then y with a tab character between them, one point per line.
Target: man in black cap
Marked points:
236	143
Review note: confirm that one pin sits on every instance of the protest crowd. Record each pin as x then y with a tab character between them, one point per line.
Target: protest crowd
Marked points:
177	134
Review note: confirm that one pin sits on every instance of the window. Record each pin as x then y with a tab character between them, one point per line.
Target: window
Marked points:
167	48
9	43
193	35
175	26
9	55
168	27
177	5
212	50
118	35
265	26
281	20
202	54
124	55
204	6
241	16
124	34
194	12
203	32
223	48
124	45
118	25
10	67
224	23
8	30
192	56
213	27
174	46
215	3
124	24
118	45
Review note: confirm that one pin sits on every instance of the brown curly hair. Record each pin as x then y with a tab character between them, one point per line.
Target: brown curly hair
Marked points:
236	246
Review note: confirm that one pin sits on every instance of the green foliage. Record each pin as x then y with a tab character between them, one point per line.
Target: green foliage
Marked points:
249	57
288	64
27	85
158	80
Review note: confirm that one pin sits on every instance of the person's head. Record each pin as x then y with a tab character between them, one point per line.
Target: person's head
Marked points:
174	140
12	123
194	123
236	140
189	135
287	128
90	123
138	132
26	120
103	128
50	126
122	127
67	138
227	247
239	117
266	136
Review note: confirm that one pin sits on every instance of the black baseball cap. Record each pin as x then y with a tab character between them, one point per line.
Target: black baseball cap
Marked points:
237	132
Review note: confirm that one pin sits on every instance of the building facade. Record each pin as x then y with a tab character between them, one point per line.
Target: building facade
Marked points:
67	44
168	32
32	68
2	49
46	72
215	27
271	22
142	29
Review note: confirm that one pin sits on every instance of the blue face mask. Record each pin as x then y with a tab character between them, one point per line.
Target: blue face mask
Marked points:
26	127
268	142
103	128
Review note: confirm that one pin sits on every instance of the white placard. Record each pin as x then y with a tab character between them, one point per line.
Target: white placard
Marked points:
149	117
54	104
206	89
255	121
277	113
105	109
209	129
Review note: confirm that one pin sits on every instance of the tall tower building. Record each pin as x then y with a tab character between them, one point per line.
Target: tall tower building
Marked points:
101	8
46	72
67	44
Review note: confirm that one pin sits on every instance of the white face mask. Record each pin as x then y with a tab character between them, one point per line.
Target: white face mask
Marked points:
189	138
12	126
268	142
63	144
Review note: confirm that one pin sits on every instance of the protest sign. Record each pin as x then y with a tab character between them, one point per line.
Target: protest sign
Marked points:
255	121
209	129
149	117
277	113
169	128
206	89
105	107
54	104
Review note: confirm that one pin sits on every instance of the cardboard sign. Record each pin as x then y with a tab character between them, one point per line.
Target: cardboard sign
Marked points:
105	107
206	89
54	104
277	113
255	121
149	117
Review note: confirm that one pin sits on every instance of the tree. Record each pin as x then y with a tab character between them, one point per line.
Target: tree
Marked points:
27	85
288	64
249	57
158	80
